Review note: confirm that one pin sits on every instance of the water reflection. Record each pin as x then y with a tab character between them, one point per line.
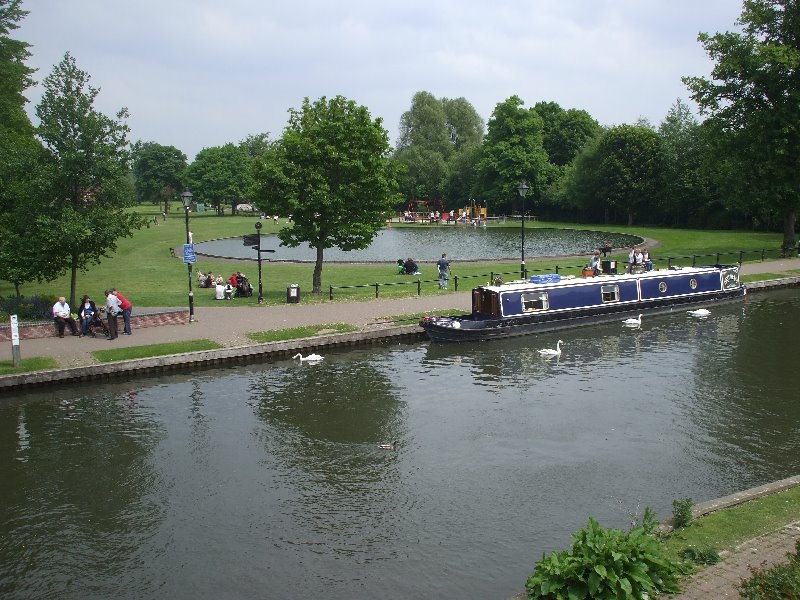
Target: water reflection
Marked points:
228	483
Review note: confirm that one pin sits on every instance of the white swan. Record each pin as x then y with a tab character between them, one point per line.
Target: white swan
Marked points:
699	312
309	358
392	446
637	321
550	351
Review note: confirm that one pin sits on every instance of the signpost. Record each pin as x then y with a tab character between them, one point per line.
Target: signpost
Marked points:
254	240
15	354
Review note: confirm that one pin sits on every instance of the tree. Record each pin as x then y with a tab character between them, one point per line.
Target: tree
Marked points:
221	174
434	136
753	101
565	132
331	172
88	185
512	152
629	169
255	144
158	172
21	166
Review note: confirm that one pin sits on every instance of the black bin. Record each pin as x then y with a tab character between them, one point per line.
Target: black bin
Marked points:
609	267
293	294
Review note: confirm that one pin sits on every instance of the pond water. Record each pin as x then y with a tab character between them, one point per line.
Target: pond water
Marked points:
268	481
428	243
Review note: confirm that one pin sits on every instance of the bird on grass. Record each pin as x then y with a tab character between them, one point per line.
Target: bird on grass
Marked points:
551	351
310	358
699	312
637	322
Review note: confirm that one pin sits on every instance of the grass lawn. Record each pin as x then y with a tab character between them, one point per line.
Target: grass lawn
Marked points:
165	349
36	363
725	529
294	333
143	269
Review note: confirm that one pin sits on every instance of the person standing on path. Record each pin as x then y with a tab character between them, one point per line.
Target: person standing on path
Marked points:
126	307
444	270
112	310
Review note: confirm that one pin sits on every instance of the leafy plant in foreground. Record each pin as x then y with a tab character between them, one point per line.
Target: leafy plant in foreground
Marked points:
605	563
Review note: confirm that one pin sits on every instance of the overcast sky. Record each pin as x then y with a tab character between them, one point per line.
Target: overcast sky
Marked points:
202	73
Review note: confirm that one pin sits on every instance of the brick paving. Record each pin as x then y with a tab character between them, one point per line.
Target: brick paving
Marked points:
721	580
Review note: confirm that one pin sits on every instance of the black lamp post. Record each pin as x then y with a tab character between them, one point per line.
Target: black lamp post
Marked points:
186	198
258	249
522	189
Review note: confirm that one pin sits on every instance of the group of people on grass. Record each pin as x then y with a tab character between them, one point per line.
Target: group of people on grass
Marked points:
410	267
237	285
89	318
638	259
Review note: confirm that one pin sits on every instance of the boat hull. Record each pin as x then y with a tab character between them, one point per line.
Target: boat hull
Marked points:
481	327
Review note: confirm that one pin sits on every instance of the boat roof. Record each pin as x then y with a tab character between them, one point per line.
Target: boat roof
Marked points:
521	284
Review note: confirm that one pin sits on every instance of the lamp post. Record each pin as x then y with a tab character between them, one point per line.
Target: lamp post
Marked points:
522	189
258	249
186	198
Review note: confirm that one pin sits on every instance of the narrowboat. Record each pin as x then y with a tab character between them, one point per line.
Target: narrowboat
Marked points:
549	302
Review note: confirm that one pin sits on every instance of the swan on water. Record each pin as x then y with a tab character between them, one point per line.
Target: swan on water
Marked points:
392	446
550	351
637	321
309	358
699	312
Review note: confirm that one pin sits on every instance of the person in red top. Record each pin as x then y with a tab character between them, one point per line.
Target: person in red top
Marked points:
127	308
233	281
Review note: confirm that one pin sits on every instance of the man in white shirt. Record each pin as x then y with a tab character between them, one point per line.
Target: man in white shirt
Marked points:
113	308
62	316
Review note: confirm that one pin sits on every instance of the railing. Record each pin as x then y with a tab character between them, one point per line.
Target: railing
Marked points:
739	256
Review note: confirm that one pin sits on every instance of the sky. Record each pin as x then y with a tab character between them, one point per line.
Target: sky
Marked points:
201	73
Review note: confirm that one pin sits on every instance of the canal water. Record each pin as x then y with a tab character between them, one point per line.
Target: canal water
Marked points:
425	243
269	482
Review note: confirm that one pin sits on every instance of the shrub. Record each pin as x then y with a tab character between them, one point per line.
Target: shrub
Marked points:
605	563
781	582
701	555
682	512
35	308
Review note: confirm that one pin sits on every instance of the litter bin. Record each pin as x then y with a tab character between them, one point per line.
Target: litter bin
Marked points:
609	267
293	294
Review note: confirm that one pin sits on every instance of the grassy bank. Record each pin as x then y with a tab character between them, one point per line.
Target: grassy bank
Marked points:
143	269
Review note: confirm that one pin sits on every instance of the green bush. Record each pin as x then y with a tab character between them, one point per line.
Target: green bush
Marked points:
682	512
606	563
781	582
701	555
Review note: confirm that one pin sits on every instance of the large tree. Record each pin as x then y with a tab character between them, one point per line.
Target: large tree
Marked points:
753	101
629	169
512	152
158	172
21	162
331	172
89	187
221	174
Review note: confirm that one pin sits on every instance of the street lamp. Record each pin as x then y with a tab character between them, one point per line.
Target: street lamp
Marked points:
258	249
522	189
186	198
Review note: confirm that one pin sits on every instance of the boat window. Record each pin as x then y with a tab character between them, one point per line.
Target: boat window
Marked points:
535	301
662	287
610	293
693	283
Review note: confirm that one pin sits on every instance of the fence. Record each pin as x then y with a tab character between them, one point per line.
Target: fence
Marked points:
738	256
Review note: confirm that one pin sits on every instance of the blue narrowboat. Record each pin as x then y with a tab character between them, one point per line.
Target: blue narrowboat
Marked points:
549	302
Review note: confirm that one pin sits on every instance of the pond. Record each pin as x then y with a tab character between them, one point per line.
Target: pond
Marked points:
427	244
268	481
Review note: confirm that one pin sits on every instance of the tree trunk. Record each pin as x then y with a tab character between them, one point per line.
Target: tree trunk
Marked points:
16	288
318	272
630	218
73	284
789	220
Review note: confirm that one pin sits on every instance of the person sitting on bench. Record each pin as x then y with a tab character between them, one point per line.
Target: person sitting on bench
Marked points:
63	316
